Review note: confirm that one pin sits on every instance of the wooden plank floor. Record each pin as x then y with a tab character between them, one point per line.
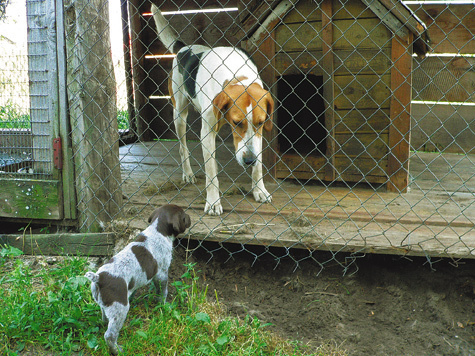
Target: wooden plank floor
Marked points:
435	218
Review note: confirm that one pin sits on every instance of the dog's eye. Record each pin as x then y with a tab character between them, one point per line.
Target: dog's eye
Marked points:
238	123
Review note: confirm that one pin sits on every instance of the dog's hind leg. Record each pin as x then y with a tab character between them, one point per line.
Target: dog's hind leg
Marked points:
116	316
161	284
180	113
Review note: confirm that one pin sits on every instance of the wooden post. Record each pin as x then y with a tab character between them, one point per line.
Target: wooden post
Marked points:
93	112
400	114
139	74
67	172
128	65
328	87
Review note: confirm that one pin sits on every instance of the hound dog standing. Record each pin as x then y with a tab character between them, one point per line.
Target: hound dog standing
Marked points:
224	85
140	262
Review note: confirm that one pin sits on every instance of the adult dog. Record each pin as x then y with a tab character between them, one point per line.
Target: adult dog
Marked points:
223	84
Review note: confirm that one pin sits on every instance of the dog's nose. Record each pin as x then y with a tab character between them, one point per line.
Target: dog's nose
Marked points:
250	160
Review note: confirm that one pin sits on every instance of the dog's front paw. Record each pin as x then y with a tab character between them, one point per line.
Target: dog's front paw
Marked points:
214	209
189	178
261	195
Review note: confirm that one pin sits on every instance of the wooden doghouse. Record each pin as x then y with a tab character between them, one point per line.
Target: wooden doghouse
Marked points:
341	71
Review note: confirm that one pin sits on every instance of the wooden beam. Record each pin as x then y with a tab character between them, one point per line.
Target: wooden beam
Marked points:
89	244
124	11
93	113
268	25
400	114
386	16
68	186
139	74
328	87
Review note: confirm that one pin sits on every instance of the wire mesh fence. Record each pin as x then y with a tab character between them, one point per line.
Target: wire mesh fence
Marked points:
370	147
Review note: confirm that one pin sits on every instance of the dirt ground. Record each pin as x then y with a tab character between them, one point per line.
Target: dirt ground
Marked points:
383	305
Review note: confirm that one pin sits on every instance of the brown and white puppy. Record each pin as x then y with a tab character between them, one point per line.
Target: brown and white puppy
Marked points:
223	84
140	262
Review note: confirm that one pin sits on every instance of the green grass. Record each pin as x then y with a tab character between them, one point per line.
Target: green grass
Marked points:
50	310
123	119
14	117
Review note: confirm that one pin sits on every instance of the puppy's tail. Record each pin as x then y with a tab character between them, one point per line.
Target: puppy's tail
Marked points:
93	277
167	34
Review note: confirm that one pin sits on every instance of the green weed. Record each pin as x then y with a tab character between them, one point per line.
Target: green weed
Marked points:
13	117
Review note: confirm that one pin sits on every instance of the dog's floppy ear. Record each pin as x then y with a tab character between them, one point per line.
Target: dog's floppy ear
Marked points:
181	221
154	215
270	112
220	106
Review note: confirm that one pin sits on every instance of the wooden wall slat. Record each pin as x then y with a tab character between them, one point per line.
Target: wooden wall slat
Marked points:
347	35
365	120
362	145
365	61
362	92
451	28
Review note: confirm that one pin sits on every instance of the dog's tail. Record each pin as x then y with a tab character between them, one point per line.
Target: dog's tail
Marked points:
93	277
167	34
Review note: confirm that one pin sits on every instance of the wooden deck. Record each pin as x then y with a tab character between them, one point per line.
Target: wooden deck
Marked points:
436	218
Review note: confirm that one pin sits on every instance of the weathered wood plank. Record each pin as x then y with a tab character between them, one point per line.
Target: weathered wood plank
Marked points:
362	145
356	169
328	64
364	61
362	120
364	33
362	92
30	198
298	166
89	244
400	114
451	28
309	10
68	186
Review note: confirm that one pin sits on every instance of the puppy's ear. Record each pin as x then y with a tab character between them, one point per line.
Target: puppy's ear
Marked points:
153	216
181	222
270	112
220	106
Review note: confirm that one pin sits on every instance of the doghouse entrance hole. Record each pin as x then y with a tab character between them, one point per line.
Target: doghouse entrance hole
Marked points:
301	116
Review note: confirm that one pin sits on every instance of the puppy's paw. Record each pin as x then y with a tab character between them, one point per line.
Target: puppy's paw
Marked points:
214	209
261	195
115	349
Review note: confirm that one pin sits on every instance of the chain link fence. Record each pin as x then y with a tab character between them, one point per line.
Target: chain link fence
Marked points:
371	147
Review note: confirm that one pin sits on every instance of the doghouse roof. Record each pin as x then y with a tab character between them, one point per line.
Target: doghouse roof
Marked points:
259	17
